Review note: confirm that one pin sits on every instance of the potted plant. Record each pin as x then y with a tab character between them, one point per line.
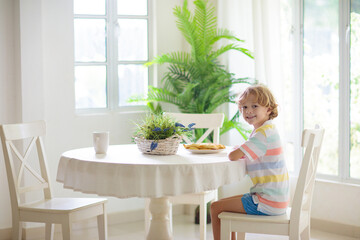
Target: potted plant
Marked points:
195	81
160	134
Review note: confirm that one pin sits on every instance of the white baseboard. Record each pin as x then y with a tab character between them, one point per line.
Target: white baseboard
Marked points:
336	228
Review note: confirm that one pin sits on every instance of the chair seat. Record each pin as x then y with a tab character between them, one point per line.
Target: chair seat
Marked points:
282	219
62	204
194	198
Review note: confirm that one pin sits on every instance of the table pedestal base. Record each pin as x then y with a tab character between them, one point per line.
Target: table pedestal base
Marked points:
160	221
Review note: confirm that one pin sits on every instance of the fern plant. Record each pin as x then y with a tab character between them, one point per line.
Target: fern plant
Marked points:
195	81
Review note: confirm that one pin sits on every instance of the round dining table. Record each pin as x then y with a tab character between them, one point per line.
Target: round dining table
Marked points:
125	172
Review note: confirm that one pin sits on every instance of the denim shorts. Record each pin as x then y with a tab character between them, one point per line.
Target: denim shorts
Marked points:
249	205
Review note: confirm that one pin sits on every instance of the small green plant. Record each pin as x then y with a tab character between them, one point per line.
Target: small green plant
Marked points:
159	126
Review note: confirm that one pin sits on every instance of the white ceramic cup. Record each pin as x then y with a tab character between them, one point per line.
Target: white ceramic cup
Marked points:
101	142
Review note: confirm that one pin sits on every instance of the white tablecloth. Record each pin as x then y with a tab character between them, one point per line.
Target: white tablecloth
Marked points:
126	172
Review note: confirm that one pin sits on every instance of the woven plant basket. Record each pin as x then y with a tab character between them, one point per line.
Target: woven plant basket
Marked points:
168	146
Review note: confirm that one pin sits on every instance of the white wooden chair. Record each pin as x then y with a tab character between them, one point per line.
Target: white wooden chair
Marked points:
47	210
296	221
212	122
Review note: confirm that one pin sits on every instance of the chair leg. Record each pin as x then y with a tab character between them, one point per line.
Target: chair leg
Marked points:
16	230
294	237
171	217
305	235
102	225
216	193
49	231
66	230
225	232
147	215
202	216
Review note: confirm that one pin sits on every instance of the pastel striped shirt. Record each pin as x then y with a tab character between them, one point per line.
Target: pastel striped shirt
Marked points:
265	164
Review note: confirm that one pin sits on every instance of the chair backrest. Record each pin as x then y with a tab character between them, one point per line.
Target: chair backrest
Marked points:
33	131
311	142
212	122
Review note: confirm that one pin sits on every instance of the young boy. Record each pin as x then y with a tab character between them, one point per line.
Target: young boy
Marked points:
264	159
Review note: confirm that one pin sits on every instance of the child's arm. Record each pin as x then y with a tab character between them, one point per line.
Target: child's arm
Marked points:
235	154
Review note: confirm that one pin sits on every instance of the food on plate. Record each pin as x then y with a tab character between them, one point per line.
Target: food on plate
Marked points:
204	146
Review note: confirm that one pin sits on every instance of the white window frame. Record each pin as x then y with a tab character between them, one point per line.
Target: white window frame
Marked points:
111	62
298	31
344	90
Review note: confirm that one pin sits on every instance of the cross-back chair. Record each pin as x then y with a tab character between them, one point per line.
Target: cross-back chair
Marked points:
296	221
47	210
212	122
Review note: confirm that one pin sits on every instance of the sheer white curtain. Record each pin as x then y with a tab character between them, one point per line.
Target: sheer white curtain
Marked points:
266	32
267	49
258	23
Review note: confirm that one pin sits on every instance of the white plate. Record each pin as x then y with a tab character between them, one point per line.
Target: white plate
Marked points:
207	151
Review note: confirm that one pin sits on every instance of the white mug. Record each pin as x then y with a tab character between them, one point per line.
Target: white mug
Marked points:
101	142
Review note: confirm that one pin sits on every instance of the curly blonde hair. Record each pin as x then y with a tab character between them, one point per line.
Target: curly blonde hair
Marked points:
263	96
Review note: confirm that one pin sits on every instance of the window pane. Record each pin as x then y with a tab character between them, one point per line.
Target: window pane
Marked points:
133	38
355	89
90	87
95	7
321	76
133	7
133	81
90	40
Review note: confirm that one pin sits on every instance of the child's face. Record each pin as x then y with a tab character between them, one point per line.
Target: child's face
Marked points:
254	113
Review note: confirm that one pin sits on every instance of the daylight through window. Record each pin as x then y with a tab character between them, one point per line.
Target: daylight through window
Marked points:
111	44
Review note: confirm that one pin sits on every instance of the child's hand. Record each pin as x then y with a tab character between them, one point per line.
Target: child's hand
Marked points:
235	154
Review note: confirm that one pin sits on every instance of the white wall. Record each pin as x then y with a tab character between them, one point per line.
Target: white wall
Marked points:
8	95
336	202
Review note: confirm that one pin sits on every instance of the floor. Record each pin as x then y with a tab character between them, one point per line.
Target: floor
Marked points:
184	229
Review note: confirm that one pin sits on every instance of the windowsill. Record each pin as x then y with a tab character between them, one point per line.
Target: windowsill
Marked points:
335	182
349	183
118	111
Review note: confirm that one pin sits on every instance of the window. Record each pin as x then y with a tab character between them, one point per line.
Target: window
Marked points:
324	59
353	34
321	77
111	44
